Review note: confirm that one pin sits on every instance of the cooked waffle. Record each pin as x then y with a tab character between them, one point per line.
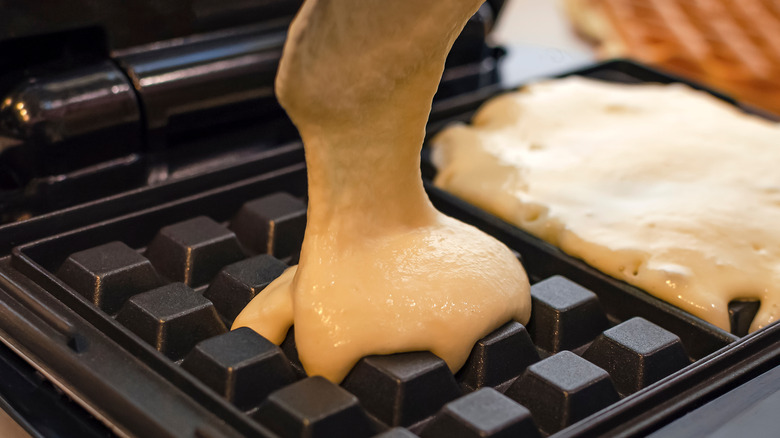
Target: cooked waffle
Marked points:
730	45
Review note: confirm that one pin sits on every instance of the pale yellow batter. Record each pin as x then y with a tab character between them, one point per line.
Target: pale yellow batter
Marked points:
381	271
663	187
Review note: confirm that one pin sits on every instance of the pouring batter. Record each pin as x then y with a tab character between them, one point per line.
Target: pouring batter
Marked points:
381	271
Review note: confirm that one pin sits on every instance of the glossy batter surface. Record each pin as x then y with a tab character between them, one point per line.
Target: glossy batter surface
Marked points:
664	187
381	271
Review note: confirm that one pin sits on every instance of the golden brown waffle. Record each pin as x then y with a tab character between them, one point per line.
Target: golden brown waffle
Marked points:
731	45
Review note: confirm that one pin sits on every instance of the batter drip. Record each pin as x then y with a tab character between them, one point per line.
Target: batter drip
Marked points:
381	271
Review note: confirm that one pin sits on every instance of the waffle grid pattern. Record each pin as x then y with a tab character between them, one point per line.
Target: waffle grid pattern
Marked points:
730	45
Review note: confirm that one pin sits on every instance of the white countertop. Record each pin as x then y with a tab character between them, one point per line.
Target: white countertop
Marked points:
539	39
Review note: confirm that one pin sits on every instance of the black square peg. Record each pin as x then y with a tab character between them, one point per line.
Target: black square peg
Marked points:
172	318
563	389
235	285
741	314
482	414
564	315
314	408
636	354
107	275
241	365
193	251
273	224
291	351
498	357
402	389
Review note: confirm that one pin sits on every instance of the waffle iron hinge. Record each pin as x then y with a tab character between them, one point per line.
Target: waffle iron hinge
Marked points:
112	119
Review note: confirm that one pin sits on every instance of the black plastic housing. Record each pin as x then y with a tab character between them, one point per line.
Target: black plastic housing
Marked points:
97	107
